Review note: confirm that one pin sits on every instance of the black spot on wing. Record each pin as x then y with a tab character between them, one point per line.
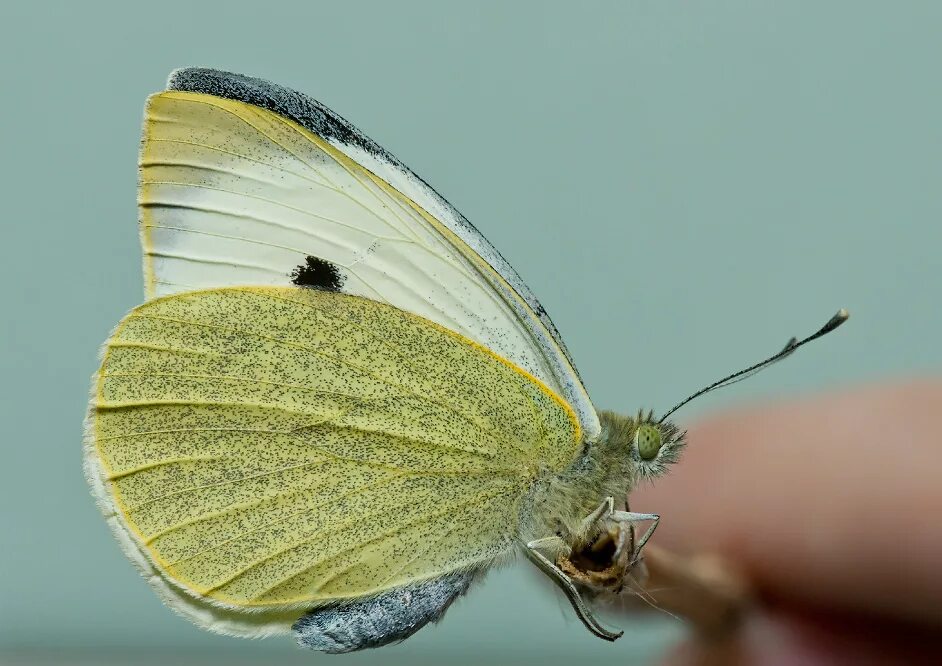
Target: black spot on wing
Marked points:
318	274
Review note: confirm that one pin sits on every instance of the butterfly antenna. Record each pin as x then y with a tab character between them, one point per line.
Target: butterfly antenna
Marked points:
792	345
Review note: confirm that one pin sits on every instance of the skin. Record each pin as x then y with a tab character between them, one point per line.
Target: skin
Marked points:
831	506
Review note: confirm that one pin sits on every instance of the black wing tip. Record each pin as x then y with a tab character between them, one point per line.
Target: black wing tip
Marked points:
201	79
286	102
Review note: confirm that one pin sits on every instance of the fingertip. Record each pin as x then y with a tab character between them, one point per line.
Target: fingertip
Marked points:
821	499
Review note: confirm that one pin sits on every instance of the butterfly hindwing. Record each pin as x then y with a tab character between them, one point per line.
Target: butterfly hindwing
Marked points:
270	448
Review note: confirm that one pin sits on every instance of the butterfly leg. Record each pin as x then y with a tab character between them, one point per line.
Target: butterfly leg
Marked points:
553	544
568	587
630	518
606	512
589	524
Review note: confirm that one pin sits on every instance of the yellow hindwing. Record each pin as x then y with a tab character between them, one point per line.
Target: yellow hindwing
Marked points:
273	446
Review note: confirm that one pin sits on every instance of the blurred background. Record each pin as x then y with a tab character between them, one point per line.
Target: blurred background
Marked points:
684	185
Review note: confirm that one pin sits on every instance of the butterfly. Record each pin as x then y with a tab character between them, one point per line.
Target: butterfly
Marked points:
339	406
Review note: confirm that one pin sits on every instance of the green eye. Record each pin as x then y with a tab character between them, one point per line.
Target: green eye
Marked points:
648	440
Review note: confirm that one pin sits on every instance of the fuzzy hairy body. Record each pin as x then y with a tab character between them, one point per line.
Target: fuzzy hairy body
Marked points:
604	468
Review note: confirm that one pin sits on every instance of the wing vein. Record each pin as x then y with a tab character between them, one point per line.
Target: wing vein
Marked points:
285	148
265	199
410	360
331	357
319	505
479	497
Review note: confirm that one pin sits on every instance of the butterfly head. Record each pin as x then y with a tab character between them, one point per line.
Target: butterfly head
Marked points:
654	445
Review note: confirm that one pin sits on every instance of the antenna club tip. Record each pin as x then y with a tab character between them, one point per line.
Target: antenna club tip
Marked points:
838	319
835	321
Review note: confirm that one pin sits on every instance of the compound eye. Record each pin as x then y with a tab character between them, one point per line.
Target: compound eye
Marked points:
648	441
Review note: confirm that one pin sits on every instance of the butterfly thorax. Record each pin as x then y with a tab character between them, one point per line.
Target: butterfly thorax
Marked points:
610	466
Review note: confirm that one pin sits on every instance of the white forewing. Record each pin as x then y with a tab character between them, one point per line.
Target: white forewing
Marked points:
242	181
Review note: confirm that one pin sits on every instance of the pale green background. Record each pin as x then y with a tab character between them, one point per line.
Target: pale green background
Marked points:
684	184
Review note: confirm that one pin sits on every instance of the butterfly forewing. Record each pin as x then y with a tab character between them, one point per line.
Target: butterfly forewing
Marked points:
243	181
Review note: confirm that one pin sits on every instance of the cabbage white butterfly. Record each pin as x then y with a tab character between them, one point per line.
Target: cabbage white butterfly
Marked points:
339	405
